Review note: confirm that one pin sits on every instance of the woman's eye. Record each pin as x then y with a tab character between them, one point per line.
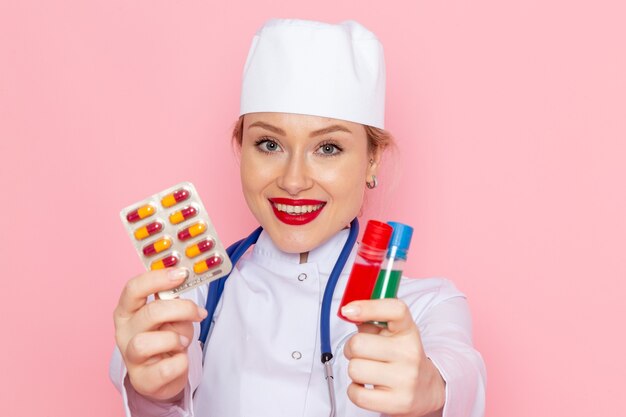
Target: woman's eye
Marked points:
329	149
268	145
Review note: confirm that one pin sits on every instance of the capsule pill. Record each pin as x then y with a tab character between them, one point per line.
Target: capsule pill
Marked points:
157	247
200	247
192	231
183	214
148	230
175	198
207	264
141	213
163	263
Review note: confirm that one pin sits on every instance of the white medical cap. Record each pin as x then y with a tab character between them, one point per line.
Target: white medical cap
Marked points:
315	68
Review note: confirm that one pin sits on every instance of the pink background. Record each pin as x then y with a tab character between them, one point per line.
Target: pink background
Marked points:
511	126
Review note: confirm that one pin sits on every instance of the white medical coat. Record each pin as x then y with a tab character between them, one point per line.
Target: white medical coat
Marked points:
263	355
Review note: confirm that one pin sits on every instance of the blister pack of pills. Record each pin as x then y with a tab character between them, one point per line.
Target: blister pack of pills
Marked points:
172	228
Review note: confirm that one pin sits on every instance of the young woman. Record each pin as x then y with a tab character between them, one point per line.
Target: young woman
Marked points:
310	136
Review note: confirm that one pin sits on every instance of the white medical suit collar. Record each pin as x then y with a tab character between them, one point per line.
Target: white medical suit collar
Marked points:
324	255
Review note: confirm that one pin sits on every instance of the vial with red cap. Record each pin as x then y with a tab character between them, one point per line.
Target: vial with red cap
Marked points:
367	264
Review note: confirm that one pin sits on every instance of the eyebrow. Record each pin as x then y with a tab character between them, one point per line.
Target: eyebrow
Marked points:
279	131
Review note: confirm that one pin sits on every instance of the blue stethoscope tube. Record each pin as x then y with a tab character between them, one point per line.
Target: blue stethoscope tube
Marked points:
236	251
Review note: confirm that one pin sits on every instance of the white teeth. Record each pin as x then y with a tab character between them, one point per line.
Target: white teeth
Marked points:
297	209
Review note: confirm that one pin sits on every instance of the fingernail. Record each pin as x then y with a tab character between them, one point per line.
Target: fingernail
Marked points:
177	274
202	311
350	311
184	340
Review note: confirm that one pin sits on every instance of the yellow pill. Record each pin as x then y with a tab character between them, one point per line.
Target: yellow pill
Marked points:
182	215
175	198
166	262
148	230
192	231
200	247
209	263
141	213
157	247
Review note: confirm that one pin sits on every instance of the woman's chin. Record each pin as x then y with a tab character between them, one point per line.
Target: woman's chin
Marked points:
296	241
289	246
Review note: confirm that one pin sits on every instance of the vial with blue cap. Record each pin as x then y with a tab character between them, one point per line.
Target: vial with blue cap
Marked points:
390	274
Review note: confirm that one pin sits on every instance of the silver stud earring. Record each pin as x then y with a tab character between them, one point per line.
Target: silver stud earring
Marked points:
373	184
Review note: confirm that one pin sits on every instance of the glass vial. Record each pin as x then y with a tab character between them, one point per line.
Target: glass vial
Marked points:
391	272
367	264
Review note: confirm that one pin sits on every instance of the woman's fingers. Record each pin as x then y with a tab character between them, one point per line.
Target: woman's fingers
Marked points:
364	371
183	328
147	345
390	310
137	290
406	393
404	349
163	379
152	315
372	346
153	337
381	400
390	359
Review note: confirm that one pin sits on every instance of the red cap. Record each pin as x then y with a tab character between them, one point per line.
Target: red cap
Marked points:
377	234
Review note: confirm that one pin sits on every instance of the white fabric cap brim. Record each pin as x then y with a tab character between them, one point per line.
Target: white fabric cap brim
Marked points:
315	68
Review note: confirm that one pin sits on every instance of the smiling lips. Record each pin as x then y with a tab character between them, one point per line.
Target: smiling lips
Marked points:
296	212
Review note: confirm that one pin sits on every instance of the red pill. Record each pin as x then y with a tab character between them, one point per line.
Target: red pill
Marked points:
209	263
141	213
183	214
192	231
157	247
175	198
164	263
200	247
148	230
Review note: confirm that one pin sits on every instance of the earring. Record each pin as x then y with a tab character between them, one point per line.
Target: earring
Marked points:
373	184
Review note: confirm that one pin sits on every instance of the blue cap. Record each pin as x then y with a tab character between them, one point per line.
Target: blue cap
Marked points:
401	236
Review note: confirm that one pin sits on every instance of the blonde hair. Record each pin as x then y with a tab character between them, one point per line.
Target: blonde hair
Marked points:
377	139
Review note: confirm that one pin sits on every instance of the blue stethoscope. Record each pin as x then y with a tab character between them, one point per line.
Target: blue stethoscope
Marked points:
236	251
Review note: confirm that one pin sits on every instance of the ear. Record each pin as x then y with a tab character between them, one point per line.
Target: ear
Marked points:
374	162
238	129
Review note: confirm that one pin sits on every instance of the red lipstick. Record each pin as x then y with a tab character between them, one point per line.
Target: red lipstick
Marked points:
296	219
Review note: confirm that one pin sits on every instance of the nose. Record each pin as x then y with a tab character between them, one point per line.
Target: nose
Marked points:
296	176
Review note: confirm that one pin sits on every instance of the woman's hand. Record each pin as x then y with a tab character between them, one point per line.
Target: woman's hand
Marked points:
153	337
406	383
